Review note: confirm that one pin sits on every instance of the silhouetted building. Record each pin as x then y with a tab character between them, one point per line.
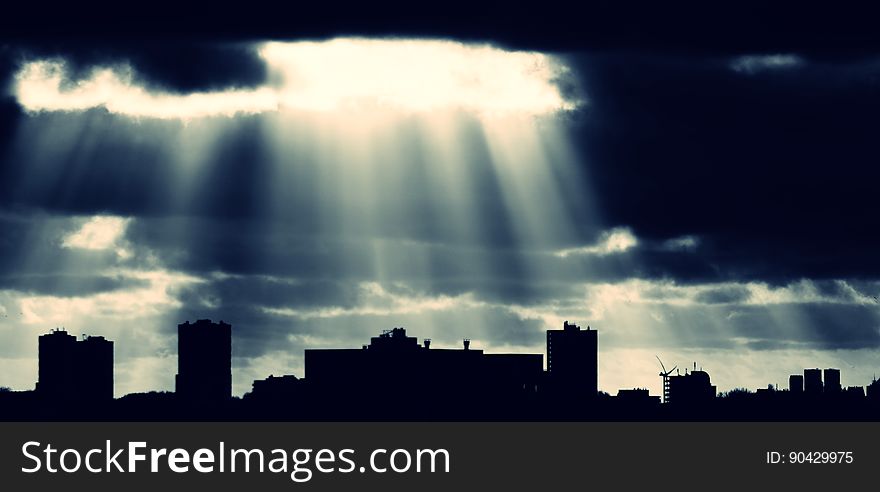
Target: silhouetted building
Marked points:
813	382
512	373
395	366
855	392
572	360
872	392
765	391
637	397
204	361
276	389
796	384
55	378
75	370
694	388
276	384
766	396
96	367
832	381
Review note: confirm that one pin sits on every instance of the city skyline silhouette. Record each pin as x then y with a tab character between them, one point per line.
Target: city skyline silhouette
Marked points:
395	377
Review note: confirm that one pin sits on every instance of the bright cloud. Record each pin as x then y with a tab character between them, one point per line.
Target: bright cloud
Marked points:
616	240
341	74
414	75
98	233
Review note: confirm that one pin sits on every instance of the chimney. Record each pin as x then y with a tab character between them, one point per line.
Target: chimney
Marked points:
427	343
467	343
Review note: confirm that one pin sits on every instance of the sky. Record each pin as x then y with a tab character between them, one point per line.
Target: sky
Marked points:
710	203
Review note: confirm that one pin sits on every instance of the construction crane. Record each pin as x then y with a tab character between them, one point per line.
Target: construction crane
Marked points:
665	375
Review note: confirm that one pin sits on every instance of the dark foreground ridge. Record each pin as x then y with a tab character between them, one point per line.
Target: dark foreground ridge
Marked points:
395	377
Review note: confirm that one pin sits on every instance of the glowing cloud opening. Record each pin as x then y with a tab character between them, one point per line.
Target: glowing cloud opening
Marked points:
414	75
341	74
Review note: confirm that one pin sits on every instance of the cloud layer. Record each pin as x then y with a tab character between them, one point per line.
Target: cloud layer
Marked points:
341	74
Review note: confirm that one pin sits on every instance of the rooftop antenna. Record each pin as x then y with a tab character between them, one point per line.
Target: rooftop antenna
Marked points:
665	375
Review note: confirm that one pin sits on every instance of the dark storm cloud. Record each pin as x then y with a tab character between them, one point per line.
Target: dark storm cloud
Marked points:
34	261
169	65
280	249
723	295
773	171
815	325
9	110
248	247
691	26
496	288
278	263
67	285
241	292
812	326
256	250
31	251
